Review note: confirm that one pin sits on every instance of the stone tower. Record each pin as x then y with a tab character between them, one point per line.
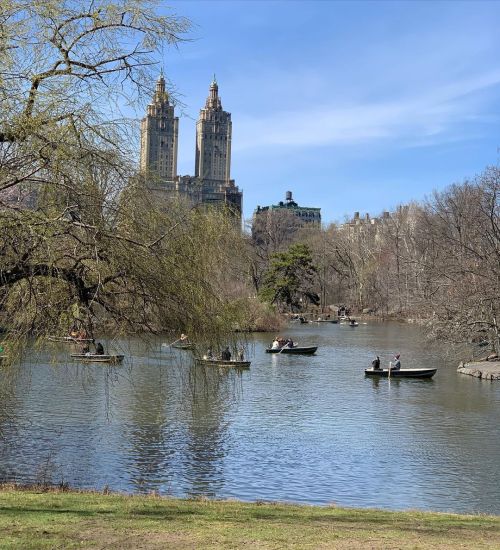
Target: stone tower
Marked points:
212	184
159	136
213	141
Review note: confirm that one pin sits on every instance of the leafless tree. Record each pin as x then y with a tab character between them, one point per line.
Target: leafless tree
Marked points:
463	224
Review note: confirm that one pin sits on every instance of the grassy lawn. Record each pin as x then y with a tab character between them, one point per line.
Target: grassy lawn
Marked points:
31	519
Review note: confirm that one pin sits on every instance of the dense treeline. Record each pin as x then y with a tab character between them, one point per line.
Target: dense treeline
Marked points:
438	261
82	241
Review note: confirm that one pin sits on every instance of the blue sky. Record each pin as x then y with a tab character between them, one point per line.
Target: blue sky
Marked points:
355	106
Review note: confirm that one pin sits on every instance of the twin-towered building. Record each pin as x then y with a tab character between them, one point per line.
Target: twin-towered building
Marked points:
212	183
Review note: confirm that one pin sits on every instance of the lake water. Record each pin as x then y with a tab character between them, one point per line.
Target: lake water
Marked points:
292	428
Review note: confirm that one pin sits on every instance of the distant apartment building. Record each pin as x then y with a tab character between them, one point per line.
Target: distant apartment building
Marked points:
287	214
364	223
212	183
305	214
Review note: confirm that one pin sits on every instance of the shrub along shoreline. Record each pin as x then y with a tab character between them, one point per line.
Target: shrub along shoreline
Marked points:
40	518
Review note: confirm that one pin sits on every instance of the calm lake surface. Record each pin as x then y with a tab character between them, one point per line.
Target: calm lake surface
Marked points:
301	429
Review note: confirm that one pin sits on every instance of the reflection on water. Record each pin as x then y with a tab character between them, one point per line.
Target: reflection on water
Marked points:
304	429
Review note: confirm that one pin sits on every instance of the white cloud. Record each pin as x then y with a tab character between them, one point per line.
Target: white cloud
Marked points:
409	118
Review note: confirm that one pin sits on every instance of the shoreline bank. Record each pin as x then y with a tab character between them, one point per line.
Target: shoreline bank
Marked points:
38	518
487	370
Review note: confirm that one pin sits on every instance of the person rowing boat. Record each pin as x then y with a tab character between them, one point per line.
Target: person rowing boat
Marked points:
279	343
397	363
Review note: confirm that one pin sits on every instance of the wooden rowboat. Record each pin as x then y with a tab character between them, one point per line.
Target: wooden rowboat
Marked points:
183	346
223	363
297	350
95	358
402	373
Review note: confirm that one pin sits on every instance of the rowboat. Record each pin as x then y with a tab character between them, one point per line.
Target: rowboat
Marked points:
182	346
69	339
95	358
402	373
224	363
353	324
297	350
325	321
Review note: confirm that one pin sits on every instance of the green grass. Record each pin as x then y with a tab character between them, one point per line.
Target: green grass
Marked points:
32	519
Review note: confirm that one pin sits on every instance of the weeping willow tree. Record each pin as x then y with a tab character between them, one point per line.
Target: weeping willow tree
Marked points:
81	241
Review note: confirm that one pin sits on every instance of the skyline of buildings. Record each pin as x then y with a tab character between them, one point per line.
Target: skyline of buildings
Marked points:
358	118
211	183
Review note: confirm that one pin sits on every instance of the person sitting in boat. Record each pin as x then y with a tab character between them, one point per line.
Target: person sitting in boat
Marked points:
86	349
376	363
241	354
275	344
184	339
397	363
99	349
288	343
226	354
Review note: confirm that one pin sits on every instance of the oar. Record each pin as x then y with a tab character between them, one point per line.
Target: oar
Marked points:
390	368
174	342
282	348
285	346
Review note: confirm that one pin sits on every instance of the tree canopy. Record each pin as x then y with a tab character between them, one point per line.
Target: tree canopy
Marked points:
291	278
81	239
